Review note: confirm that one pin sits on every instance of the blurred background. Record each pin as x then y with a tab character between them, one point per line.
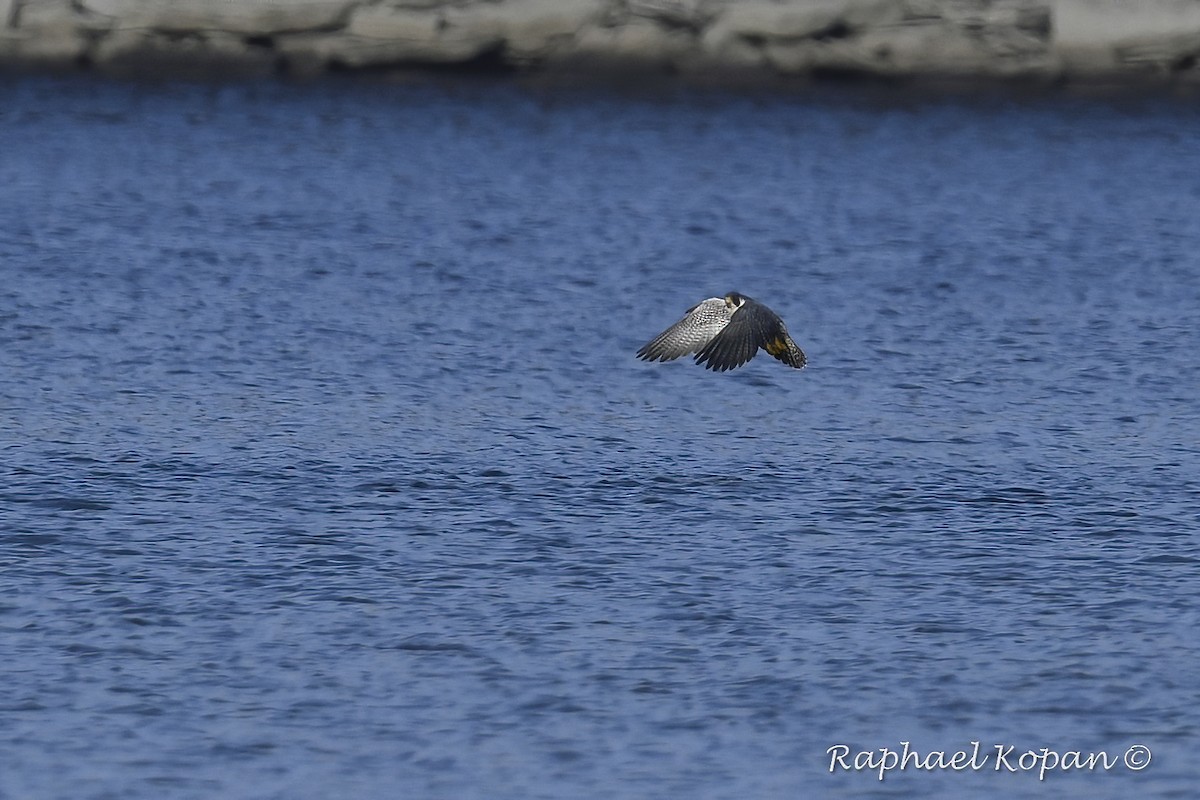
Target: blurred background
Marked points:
721	42
329	469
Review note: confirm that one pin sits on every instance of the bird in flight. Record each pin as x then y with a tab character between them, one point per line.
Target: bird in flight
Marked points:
724	333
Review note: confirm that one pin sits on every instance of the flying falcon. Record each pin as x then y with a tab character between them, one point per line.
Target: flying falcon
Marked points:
724	333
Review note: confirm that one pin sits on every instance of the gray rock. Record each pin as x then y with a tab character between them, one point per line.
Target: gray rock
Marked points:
252	17
1107	37
1080	40
766	20
530	30
389	35
137	53
41	34
638	44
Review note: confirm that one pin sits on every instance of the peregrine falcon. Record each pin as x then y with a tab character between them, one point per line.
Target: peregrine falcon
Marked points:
724	333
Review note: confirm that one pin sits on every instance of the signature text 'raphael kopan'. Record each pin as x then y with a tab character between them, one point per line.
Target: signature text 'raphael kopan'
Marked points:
999	758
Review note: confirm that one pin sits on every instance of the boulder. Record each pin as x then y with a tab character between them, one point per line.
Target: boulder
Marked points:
140	53
529	30
45	34
381	34
1104	37
249	17
637	45
705	40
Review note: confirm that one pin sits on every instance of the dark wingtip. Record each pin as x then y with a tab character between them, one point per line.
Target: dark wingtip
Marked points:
708	362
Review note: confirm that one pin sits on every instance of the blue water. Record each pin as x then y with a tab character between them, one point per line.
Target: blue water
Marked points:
329	472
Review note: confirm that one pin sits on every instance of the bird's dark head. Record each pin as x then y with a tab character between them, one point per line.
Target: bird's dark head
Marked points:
735	300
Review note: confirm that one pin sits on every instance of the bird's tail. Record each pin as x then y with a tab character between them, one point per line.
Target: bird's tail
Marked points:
784	349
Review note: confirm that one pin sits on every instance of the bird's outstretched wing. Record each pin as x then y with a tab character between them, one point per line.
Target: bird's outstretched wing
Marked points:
699	326
752	326
736	343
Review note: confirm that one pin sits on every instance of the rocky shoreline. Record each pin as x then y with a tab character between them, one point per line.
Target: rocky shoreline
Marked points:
1050	42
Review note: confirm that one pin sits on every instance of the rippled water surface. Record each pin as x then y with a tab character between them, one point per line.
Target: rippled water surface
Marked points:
329	472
